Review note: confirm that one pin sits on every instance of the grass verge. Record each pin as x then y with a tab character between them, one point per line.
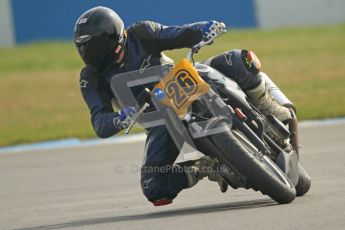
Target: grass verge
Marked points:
40	97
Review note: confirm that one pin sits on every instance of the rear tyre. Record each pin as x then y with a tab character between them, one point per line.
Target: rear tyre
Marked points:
261	172
304	182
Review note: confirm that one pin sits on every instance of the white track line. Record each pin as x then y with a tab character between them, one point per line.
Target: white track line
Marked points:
72	143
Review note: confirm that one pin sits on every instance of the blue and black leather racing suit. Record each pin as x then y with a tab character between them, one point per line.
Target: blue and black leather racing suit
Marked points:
145	42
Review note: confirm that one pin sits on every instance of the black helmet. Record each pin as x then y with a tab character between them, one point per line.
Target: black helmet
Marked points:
99	36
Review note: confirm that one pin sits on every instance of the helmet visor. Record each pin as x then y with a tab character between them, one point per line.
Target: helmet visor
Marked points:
98	51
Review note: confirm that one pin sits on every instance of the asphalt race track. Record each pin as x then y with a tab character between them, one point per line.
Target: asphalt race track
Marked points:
98	188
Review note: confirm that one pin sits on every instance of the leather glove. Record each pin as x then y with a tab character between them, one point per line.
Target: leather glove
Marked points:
125	117
212	29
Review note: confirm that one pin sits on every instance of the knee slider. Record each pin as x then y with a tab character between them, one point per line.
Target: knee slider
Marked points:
156	190
243	67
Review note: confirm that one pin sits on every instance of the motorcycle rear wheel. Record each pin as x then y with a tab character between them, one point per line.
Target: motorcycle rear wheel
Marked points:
304	182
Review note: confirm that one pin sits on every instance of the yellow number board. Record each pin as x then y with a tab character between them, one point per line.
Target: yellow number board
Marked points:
181	87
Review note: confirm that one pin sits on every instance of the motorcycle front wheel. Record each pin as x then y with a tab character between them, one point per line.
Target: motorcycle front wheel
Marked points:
235	150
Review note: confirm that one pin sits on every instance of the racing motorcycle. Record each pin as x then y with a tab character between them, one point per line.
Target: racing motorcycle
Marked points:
203	109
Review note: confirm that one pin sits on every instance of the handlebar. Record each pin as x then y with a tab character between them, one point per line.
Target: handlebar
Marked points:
195	49
136	116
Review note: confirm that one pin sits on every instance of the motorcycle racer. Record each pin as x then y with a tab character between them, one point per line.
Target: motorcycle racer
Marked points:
107	49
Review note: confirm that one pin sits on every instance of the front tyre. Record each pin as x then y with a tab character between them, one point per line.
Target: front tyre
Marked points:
261	172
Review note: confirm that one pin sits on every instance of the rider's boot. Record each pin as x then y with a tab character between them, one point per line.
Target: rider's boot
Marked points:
204	167
262	99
